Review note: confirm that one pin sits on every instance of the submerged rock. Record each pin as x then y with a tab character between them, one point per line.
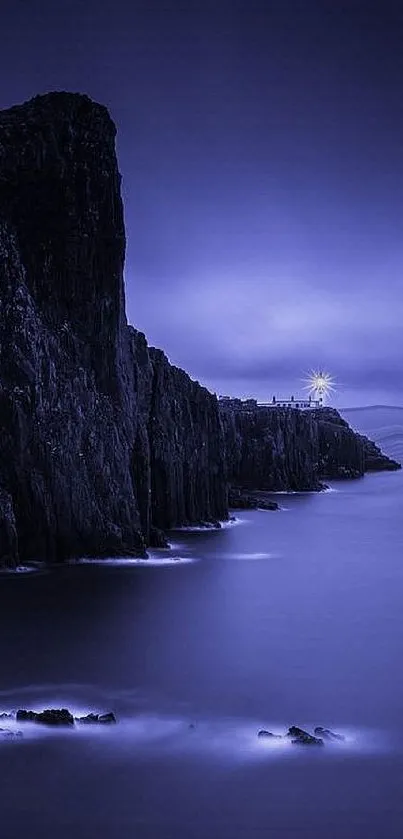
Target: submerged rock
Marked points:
97	719
264	733
6	734
242	499
303	738
107	718
327	734
51	716
211	525
89	719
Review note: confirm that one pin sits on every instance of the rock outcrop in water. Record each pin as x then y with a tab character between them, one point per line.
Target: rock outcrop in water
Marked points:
56	717
51	716
101	438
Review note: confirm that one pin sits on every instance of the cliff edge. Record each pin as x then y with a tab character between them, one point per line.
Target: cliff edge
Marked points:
271	448
98	433
103	442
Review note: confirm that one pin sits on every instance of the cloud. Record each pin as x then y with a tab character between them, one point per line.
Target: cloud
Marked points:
246	325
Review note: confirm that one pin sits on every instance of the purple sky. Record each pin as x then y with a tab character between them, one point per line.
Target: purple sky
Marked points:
261	147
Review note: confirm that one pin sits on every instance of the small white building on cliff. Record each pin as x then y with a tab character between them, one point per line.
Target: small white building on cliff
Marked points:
301	403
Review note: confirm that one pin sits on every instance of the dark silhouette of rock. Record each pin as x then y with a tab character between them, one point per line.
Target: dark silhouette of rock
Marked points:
51	716
97	719
102	438
263	733
107	719
88	719
327	734
341	454
158	538
270	448
303	738
241	499
375	460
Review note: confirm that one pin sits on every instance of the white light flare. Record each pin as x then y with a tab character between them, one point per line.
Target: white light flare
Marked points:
319	384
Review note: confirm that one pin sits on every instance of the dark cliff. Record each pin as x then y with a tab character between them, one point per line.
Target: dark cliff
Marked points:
375	460
271	448
102	441
178	454
341	453
80	392
344	452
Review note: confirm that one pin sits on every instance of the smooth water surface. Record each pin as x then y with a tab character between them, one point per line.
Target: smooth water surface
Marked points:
288	617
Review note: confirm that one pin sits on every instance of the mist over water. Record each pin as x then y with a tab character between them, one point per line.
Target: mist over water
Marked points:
295	617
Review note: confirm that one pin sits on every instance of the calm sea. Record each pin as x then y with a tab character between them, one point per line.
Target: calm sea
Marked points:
289	617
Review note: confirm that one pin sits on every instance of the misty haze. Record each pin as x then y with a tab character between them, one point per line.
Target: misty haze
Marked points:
201	419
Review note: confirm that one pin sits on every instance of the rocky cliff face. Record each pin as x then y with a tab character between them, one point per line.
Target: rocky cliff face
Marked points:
271	448
178	455
374	459
80	392
341	453
102	440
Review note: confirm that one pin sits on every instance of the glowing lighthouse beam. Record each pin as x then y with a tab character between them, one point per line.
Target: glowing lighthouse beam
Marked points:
319	384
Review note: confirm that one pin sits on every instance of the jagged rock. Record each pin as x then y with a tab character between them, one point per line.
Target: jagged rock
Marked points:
307	740
158	538
211	525
375	460
341	453
264	733
9	556
241	500
270	449
106	719
250	500
327	734
97	719
5	716
303	738
88	719
51	716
